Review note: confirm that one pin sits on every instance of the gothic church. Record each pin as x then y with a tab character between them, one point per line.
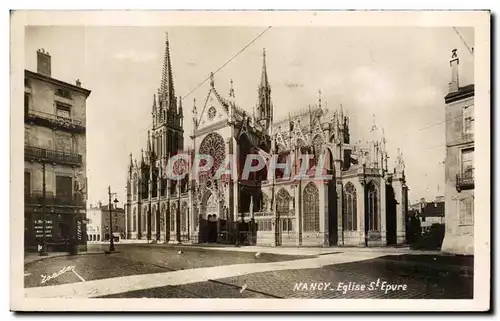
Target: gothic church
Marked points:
363	203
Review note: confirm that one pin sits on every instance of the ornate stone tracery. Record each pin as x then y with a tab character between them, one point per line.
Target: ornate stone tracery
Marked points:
213	145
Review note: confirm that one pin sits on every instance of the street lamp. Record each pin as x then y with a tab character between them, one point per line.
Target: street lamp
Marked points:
111	241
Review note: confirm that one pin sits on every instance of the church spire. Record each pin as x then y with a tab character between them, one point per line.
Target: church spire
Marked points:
264	82
149	142
264	109
167	92
154	105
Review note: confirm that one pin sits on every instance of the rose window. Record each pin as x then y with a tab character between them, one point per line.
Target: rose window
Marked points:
213	145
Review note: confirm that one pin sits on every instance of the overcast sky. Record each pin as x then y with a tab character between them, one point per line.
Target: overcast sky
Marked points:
399	74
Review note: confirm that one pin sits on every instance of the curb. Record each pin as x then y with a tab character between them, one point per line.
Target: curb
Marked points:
40	258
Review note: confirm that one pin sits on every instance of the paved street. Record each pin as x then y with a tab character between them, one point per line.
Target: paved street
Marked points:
160	271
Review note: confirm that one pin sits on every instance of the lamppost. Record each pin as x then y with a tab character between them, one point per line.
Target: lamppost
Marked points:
111	238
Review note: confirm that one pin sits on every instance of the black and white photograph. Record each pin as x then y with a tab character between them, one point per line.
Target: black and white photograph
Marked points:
268	156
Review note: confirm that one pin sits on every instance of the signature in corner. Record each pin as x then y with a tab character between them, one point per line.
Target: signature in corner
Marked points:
46	278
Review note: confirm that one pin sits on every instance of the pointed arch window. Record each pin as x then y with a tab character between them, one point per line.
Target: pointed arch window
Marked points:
134	220
350	208
311	208
317	144
162	218
184	209
282	203
134	186
143	219
172	217
153	218
372	206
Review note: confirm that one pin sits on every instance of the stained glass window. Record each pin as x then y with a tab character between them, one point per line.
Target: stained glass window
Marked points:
162	218
213	145
184	217
350	208
282	202
173	210
134	220
153	218
143	219
311	208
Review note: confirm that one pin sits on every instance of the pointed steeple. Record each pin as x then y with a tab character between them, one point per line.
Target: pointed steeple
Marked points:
180	107
167	92
264	110
153	109
264	82
149	142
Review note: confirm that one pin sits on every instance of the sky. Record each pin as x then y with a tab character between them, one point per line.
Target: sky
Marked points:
400	75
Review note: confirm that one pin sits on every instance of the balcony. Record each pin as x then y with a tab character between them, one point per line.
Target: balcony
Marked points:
54	121
37	199
38	154
465	181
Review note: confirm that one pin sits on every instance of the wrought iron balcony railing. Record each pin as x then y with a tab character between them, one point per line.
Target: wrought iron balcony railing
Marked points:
62	122
38	154
465	180
54	200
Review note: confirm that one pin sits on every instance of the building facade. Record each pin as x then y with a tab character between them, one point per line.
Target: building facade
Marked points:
55	181
361	203
429	213
459	165
98	222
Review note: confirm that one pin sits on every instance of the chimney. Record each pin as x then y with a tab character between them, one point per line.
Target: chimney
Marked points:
78	83
43	62
454	85
99	204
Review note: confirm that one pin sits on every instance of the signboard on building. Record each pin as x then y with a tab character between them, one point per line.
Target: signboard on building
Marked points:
38	227
79	230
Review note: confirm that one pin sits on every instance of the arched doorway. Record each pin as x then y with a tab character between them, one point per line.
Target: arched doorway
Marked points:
208	219
390	215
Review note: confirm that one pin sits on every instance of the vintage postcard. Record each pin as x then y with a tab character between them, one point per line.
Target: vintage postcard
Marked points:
250	161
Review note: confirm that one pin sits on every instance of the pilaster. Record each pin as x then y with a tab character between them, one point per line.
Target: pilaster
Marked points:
323	206
298	216
361	206
398	183
383	211
340	209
